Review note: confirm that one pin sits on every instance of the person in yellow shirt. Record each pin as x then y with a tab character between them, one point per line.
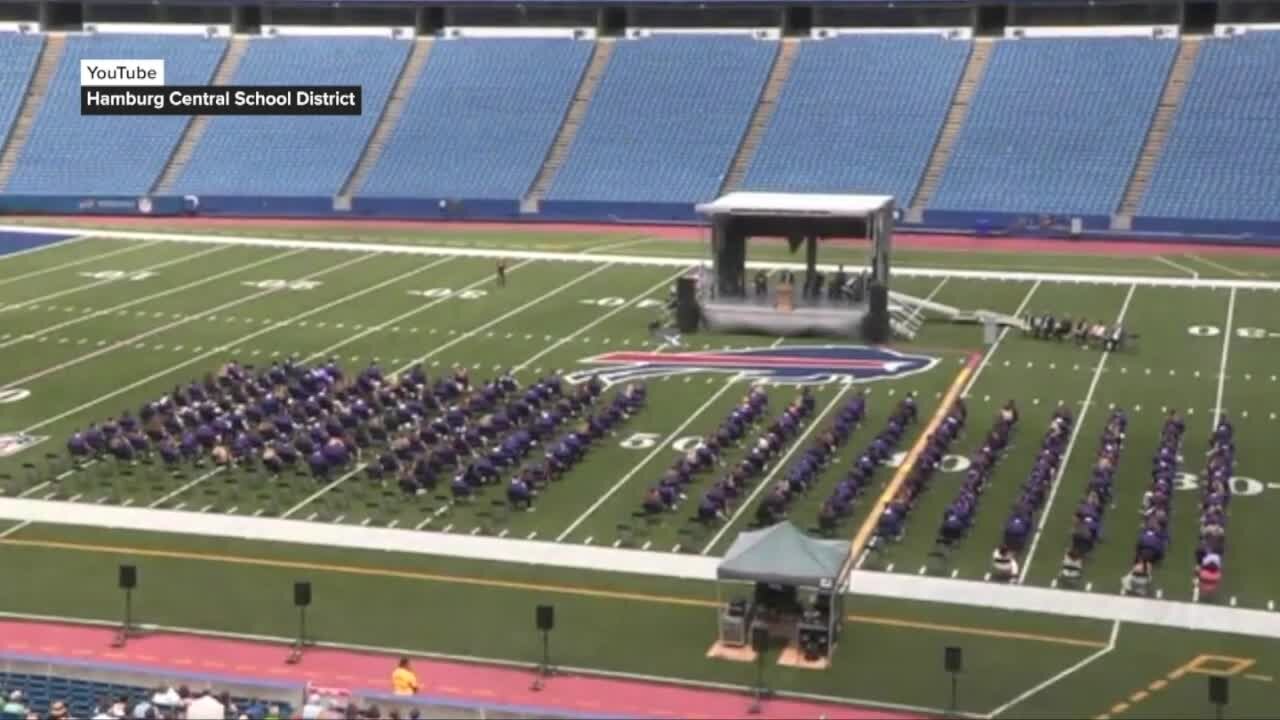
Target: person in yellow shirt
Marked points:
403	681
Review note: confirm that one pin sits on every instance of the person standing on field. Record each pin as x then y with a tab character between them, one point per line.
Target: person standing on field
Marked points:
502	272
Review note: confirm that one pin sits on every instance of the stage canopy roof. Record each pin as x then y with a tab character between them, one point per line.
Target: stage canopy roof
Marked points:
796	204
782	554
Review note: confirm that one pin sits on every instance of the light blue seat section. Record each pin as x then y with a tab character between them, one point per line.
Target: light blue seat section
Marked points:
19	54
859	114
296	155
1056	125
73	154
481	118
1221	159
666	120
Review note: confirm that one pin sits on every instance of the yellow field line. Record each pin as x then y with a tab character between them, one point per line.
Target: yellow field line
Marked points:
1199	664
869	525
516	585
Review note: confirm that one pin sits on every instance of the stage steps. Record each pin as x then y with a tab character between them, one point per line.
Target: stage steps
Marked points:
762	114
46	65
974	69
569	128
388	120
197	124
906	315
1174	89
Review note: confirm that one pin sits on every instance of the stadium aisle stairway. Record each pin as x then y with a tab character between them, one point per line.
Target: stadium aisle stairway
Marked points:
19	56
73	154
666	120
481	119
1056	126
859	113
1222	155
298	156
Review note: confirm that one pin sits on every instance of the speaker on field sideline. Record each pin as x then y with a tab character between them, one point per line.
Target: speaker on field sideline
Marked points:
875	326
301	594
128	577
1218	693
544	617
953	661
688	314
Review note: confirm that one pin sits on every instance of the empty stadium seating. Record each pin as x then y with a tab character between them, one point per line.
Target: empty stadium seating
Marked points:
1056	126
74	154
18	55
859	114
481	118
666	120
296	155
81	695
1221	156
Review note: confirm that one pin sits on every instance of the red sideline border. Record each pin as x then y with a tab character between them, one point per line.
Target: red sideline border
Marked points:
902	238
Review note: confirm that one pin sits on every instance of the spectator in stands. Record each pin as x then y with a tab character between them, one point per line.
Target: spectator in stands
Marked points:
206	707
403	680
58	711
15	707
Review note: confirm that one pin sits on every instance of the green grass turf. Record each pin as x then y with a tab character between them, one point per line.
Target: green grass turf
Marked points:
132	340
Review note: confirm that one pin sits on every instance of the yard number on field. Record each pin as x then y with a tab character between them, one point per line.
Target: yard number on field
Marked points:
441	293
619	302
274	284
1246	333
131	275
13	395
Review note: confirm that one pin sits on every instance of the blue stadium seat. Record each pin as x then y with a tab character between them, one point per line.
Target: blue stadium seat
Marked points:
1221	159
481	119
666	120
74	154
859	114
296	155
19	54
1056	126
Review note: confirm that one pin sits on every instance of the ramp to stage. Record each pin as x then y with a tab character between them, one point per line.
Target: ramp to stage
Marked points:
908	311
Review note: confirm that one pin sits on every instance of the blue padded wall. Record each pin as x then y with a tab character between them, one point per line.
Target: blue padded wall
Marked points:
859	114
666	119
69	153
1056	126
296	155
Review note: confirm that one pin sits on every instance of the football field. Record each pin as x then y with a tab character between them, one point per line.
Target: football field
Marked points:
101	324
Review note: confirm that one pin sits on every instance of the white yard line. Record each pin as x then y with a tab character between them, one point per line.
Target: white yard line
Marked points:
991	351
568	338
796	444
148	298
323	490
1222	364
458	339
617	245
220	348
1071	443
664	445
501	318
72	263
14	529
1219	266
1111	645
169	326
392	321
185	488
660	261
72	239
1177	266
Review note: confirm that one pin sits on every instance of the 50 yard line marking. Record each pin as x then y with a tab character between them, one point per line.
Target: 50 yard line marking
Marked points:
1222	364
1071	443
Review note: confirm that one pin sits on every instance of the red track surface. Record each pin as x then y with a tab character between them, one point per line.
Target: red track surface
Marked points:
918	241
455	681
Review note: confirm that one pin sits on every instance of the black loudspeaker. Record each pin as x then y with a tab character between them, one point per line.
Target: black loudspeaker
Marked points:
128	577
875	327
687	312
760	639
302	594
546	617
1218	689
953	659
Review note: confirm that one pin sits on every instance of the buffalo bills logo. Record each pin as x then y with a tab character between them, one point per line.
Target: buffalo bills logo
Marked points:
800	364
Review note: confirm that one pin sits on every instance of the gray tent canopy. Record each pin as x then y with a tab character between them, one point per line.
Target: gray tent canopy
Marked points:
782	554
